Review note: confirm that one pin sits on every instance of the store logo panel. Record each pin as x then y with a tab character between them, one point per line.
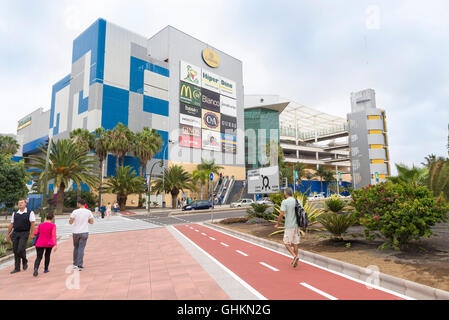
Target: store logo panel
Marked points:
211	81
190	73
211	120
227	88
228	143
190	137
211	58
228	124
193	111
189	120
211	140
190	94
210	100
228	106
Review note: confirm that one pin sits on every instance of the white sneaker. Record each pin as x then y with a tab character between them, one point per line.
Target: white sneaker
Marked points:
75	267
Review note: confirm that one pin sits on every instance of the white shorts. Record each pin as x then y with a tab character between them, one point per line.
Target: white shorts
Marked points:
291	236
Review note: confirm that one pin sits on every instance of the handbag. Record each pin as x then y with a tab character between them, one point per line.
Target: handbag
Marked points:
34	240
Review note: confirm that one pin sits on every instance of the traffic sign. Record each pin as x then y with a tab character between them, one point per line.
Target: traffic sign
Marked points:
211	176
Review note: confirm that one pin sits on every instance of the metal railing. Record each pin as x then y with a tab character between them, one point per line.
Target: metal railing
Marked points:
290	132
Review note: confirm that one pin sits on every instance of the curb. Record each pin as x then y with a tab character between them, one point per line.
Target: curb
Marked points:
404	287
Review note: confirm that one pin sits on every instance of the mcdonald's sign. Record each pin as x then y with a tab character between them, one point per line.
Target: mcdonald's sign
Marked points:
190	94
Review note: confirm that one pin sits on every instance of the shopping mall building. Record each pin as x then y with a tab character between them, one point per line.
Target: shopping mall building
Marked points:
193	95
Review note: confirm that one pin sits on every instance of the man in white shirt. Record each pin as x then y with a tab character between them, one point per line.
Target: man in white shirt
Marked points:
80	219
22	228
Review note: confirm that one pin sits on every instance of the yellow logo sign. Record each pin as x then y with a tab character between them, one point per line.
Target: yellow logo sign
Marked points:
211	58
186	91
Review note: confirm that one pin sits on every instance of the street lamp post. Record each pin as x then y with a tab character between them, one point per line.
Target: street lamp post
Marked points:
149	184
44	194
163	173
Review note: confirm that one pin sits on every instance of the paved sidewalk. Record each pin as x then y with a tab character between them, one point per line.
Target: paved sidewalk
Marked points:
144	264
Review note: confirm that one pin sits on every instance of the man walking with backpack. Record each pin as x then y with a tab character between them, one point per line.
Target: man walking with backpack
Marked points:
291	232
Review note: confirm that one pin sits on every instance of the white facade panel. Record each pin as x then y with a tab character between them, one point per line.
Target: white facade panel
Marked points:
117	60
155	92
376	139
377	154
155	80
86	79
375	125
380	168
159	122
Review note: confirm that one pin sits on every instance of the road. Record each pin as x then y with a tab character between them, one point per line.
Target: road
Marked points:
162	219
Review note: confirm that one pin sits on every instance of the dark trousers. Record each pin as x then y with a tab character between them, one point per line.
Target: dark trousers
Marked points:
19	242
39	254
79	243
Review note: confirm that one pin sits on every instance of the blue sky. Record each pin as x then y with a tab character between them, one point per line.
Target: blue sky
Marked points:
313	52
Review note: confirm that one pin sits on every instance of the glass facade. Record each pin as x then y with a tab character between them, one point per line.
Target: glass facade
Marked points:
261	127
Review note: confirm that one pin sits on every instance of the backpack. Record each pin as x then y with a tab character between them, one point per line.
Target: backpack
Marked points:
301	215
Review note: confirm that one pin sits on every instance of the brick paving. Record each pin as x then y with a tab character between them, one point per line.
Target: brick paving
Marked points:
144	264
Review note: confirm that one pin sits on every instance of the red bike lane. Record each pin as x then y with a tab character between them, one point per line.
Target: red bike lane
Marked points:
270	273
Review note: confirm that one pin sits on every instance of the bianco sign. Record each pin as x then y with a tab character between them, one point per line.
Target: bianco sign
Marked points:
263	180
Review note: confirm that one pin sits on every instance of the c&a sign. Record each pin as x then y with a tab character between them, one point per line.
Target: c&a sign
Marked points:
211	120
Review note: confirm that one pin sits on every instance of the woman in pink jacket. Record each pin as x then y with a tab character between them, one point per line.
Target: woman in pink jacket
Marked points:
45	242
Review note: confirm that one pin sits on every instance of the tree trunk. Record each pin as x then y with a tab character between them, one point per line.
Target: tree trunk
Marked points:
174	197
121	199
101	183
123	161
202	187
116	163
139	204
60	199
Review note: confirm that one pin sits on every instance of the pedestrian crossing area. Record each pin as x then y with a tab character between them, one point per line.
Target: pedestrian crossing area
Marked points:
113	224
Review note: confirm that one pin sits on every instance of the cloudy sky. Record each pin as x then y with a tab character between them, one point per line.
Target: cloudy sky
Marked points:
313	52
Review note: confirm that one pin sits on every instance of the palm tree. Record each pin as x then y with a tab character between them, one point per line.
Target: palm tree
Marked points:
125	183
66	162
200	176
430	159
301	169
412	176
321	173
85	141
209	167
438	179
309	176
147	143
121	140
8	145
176	179
101	151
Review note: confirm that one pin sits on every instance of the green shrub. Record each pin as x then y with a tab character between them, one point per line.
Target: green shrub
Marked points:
337	223
2	239
2	250
398	212
259	211
155	204
277	198
234	220
335	204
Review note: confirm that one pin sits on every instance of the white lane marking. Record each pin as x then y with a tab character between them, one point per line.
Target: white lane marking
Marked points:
242	253
203	233
191	228
317	266
211	238
308	286
196	230
236	277
224	244
268	266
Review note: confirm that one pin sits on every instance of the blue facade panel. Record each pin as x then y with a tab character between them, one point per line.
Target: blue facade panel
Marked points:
31	147
83	104
93	39
129	161
155	105
115	107
16	159
84	187
161	154
137	70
